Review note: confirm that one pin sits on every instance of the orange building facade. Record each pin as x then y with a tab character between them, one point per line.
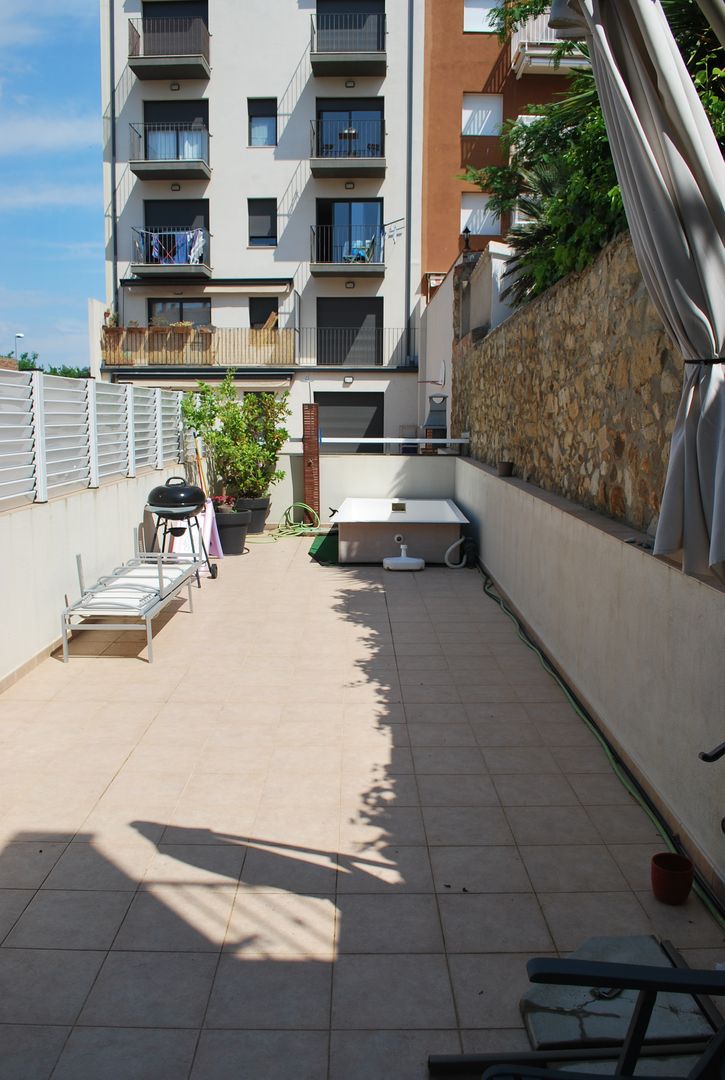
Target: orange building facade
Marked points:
472	83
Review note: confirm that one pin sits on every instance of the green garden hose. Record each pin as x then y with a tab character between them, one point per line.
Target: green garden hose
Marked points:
289	527
617	766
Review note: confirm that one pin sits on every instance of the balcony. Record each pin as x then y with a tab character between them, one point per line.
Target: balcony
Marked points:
338	148
362	346
351	44
347	251
169	151
168	48
532	50
187	346
171	251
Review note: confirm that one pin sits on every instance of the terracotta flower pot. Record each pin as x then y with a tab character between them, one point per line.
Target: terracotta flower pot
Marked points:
505	468
672	877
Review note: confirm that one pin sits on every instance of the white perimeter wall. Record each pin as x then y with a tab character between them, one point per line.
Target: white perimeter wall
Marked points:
39	543
641	642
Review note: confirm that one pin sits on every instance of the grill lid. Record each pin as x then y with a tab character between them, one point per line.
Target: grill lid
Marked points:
176	495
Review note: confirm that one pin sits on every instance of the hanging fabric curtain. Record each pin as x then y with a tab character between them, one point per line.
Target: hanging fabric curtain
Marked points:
672	178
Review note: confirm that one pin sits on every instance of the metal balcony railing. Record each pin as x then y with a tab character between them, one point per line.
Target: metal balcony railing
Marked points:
176	345
365	346
168	37
349	33
343	139
534	31
347	244
169	142
171	245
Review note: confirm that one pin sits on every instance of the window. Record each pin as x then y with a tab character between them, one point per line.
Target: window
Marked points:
165	312
477	16
262	222
482	114
350	127
262	121
349	230
260	309
351	415
476	216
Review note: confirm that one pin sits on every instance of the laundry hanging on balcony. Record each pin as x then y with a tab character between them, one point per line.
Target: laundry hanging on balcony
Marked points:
672	178
179	247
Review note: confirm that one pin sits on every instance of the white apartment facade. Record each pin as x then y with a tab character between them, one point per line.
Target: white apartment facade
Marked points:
262	179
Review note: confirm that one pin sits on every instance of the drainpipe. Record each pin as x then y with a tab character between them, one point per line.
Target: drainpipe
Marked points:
112	111
409	179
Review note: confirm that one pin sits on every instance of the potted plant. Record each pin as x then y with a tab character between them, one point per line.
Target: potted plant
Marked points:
242	439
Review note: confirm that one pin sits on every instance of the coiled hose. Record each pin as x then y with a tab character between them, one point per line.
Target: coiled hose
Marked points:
289	527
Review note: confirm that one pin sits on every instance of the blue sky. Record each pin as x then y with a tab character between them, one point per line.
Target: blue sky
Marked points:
51	202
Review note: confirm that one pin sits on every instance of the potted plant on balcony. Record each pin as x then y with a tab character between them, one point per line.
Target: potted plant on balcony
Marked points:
242	440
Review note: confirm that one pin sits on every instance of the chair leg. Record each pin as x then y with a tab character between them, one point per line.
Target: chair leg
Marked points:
64	626
149	644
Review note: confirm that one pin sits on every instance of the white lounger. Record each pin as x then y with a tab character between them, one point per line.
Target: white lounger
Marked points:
138	590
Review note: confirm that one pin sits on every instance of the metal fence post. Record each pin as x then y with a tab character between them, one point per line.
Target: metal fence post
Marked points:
159	429
130	423
93	479
41	472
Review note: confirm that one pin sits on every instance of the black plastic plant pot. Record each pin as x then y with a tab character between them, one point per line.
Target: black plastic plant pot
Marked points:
233	529
259	509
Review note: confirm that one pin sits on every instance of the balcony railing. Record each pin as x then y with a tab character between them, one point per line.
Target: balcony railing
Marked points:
534	31
174	346
353	32
352	247
342	139
169	142
171	245
532	48
331	346
168	37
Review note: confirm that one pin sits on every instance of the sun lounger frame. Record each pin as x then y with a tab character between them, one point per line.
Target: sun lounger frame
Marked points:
145	611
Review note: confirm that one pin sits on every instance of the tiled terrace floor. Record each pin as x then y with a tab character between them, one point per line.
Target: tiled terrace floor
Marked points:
319	837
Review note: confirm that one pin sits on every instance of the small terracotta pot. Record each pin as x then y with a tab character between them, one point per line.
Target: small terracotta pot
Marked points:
672	877
505	468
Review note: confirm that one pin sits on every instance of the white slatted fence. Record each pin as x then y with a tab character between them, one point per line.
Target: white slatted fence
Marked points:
58	435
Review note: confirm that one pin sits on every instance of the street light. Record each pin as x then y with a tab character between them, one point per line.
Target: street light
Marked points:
16	345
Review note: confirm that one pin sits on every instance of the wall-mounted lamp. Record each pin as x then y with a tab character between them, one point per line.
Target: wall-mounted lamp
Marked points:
349	84
348	380
174	86
349	185
176	187
466	234
349	284
179	293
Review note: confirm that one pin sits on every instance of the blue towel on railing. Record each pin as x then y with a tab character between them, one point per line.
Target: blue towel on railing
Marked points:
181	255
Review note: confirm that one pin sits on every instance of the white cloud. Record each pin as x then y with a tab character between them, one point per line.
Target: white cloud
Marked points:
23	24
39	196
44	133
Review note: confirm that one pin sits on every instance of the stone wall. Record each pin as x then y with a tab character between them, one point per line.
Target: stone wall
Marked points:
579	389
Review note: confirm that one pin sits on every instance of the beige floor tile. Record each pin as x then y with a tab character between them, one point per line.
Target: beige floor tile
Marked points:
441	734
502	732
393	790
26	865
623	824
446	760
388	924
435	713
392	825
391	992
279	926
150	989
95	867
175	918
634	861
598	789
519	759
274	1055
60	919
28	1051
285	868
13	903
270	995
358	1055
587	760
104	1053
388	869
687	926
45	986
487	988
575	917
474	825
522	789
503	1040
551	825
567	733
493	922
573	868
479	870
457	790
195	864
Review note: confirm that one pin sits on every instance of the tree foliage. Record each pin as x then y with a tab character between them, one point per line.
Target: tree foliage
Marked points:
560	173
242	437
29	361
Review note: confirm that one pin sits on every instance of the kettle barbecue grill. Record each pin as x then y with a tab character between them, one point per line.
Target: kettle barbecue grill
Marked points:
177	505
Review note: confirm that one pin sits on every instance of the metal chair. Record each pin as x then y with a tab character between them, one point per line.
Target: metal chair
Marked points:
648	982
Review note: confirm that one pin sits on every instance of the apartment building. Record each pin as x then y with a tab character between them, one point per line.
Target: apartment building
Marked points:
262	181
472	83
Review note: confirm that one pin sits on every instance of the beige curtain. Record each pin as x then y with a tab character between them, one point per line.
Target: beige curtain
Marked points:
672	178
